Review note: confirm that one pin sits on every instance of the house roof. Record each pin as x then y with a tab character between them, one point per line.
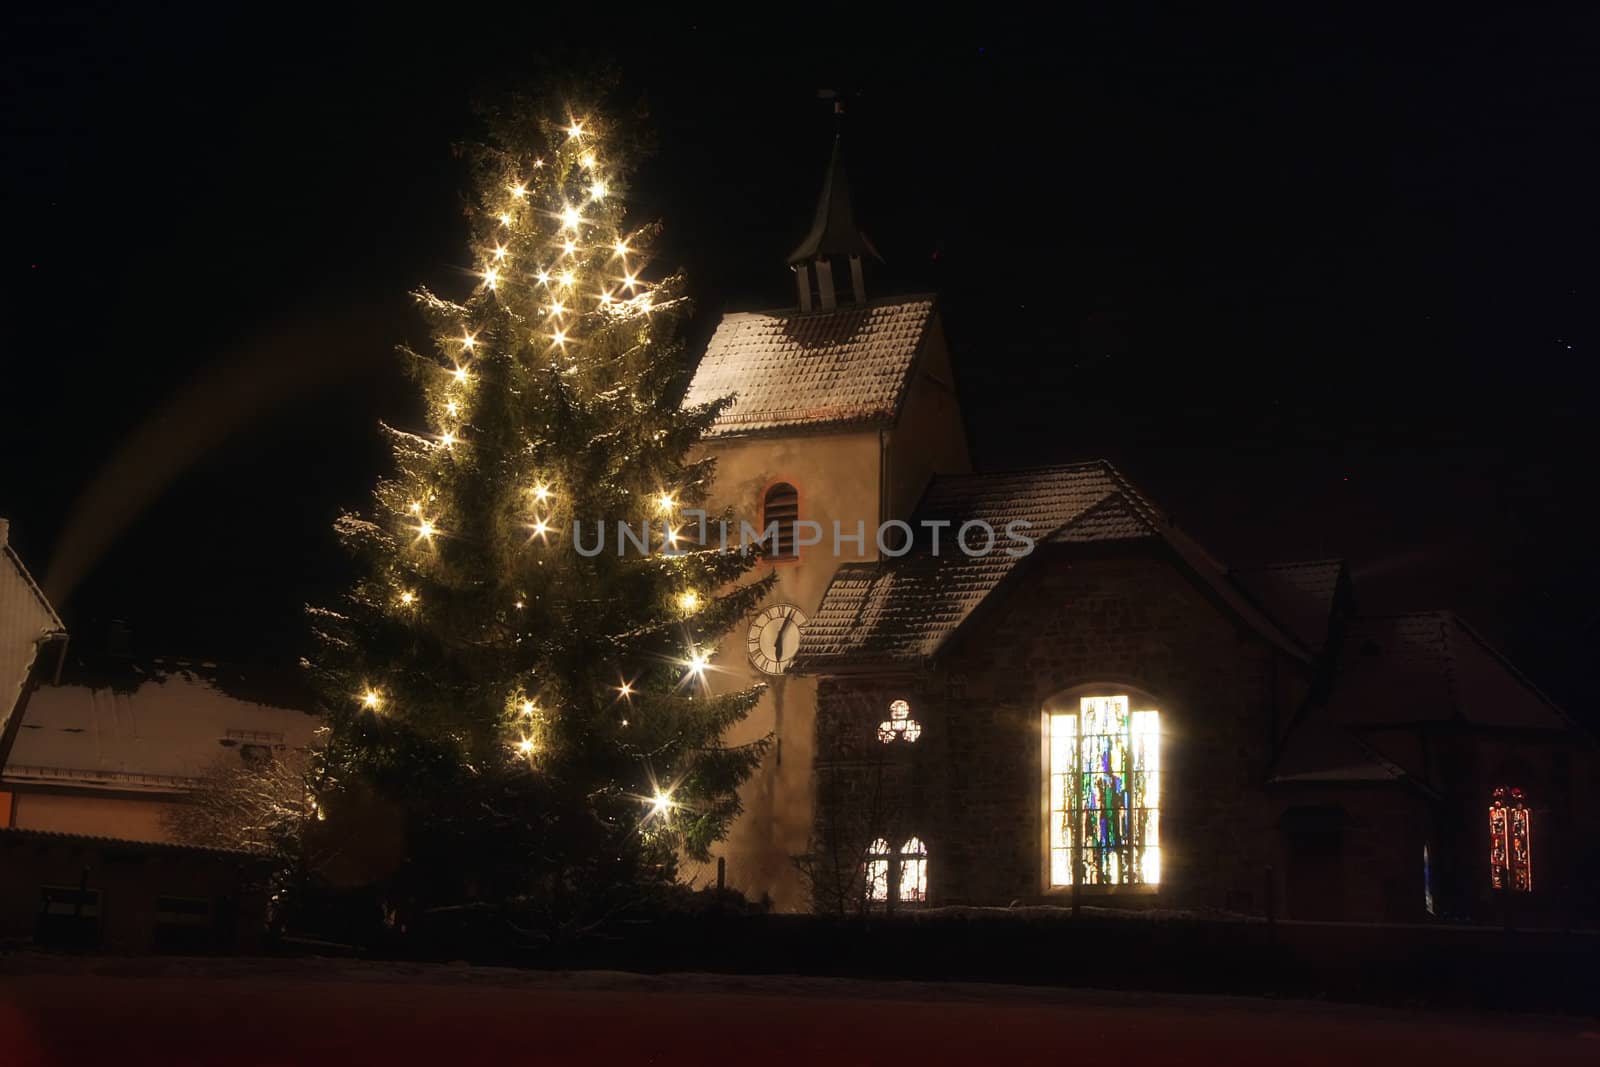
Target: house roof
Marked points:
1299	595
17	835
1431	667
905	610
850	365
1319	751
158	734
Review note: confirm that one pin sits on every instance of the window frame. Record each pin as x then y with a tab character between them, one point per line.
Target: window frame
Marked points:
1068	701
1507	877
893	858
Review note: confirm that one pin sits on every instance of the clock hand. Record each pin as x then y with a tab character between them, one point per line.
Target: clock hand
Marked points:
777	642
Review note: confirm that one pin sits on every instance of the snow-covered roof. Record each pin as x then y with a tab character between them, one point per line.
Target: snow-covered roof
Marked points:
905	610
1432	667
158	734
849	365
1299	595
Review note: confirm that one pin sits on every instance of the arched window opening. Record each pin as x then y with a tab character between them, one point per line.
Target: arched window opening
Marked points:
1104	768
781	508
899	726
896	875
877	871
913	872
1510	841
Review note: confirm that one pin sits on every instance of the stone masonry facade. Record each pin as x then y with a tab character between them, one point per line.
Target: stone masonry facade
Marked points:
972	786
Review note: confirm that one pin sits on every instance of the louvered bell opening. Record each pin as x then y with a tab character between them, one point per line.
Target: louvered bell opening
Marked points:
782	506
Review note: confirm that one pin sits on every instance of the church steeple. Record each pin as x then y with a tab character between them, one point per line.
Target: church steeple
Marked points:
833	236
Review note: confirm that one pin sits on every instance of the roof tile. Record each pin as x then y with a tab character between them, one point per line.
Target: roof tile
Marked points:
848	365
905	609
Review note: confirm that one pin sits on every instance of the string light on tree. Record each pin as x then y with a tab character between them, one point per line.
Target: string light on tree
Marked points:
559	407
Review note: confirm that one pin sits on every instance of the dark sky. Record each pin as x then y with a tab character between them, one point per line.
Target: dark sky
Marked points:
1323	285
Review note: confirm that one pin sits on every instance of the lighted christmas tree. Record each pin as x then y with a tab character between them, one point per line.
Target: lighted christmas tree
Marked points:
536	706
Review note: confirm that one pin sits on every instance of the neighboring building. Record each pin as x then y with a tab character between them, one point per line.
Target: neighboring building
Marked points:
1114	710
90	763
79	891
28	626
107	750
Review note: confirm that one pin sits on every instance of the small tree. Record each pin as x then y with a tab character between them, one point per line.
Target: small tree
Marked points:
255	805
535	710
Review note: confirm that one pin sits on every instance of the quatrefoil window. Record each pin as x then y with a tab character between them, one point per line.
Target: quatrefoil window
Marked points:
899	726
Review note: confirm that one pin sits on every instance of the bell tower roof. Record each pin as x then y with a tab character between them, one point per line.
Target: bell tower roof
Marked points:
833	231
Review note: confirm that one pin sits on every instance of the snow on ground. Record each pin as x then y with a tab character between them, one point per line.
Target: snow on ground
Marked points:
68	1010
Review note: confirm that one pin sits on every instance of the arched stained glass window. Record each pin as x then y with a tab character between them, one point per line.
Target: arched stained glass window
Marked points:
1510	841
899	875
1105	793
877	870
914	871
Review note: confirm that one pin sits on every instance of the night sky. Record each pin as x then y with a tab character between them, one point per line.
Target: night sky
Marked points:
1322	286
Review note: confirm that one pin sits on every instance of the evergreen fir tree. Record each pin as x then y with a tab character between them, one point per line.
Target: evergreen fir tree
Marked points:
539	715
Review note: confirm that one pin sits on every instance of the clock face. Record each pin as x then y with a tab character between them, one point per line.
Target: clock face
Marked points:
775	638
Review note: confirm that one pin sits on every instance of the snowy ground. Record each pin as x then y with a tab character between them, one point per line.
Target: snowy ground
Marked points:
174	1012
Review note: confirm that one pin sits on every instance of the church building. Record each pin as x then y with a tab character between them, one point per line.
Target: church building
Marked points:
1092	708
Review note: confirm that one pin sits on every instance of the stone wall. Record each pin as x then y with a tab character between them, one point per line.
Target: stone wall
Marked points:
972	787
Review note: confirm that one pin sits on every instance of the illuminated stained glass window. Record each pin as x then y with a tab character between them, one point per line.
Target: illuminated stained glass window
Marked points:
1510	841
901	874
914	871
877	870
899	726
1105	793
